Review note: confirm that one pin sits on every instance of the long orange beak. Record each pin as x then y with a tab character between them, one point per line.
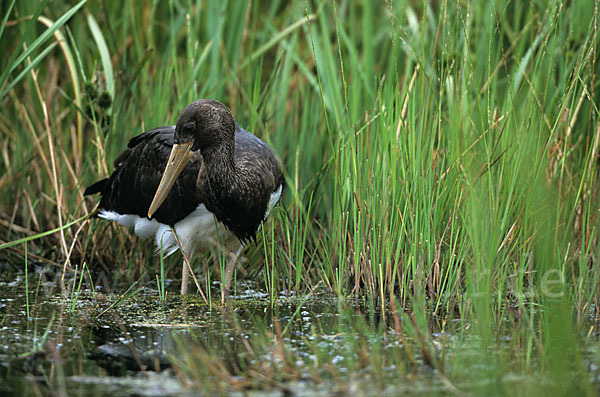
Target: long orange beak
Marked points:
178	159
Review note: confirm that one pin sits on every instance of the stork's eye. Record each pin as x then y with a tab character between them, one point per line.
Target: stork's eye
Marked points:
188	128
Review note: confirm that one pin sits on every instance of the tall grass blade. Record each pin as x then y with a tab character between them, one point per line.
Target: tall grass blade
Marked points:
104	55
13	64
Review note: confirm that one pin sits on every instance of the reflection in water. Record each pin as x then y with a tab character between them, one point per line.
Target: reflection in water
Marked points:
96	343
64	344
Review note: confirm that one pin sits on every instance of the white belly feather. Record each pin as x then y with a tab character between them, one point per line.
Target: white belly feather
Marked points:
198	231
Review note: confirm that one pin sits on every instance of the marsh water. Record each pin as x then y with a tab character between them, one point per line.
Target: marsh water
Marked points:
91	341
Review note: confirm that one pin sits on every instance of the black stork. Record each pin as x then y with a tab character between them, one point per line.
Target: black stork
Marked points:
206	177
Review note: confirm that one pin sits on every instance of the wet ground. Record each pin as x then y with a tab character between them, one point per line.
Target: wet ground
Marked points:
87	342
130	342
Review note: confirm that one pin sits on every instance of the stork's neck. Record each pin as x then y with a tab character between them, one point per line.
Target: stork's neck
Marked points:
224	180
221	167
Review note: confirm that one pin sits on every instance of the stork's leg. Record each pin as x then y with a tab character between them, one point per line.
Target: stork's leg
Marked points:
229	271
185	274
187	269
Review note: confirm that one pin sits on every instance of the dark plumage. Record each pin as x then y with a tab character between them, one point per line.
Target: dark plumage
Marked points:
213	162
138	170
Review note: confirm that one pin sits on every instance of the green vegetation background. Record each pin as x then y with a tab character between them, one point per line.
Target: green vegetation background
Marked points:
440	156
